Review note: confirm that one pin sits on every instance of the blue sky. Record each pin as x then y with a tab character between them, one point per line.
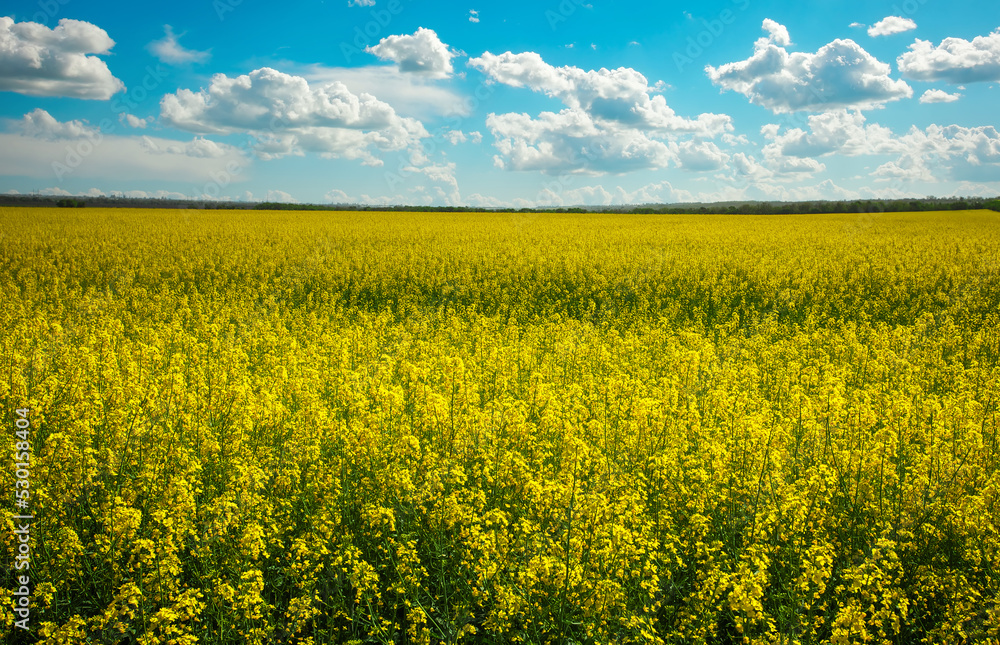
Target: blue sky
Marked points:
505	104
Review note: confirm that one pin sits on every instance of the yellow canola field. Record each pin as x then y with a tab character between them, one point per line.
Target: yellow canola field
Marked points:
324	427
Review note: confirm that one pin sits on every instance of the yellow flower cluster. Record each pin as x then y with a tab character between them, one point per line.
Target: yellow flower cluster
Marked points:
321	427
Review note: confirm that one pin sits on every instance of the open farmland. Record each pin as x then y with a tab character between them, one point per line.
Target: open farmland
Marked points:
319	427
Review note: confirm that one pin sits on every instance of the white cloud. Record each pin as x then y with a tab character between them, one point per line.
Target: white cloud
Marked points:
954	61
856	25
479	200
657	193
133	121
280	196
473	15
360	3
443	174
778	33
168	50
905	169
410	94
840	74
337	196
570	141
40	124
42	147
891	25
421	53
556	194
383	200
288	116
621	95
841	131
699	155
156	194
613	121
199	147
931	155
455	137
55	192
747	166
39	61
824	190
939	96
734	140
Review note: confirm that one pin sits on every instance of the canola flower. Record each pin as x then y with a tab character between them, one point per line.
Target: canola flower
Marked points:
492	428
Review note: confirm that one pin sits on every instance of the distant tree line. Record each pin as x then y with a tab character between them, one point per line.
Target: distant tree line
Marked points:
855	206
745	208
70	203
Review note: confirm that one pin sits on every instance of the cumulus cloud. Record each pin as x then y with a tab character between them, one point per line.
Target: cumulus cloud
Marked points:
473	15
939	96
337	196
55	191
143	194
778	33
42	146
744	165
133	121
954	61
360	3
39	61
41	125
442	173
420	53
199	147
168	50
556	194
930	155
613	122
280	196
571	141
891	25
699	155
410	94
288	116
621	95
840	131
840	74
